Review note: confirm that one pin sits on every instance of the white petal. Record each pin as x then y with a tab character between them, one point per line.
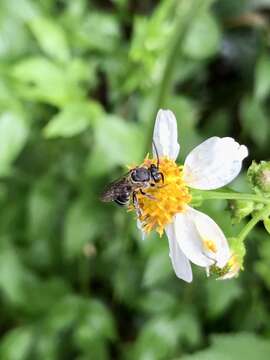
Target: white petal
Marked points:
190	240
209	230
214	163
165	135
180	263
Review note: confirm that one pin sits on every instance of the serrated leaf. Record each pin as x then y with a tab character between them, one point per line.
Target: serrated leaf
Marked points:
51	38
74	119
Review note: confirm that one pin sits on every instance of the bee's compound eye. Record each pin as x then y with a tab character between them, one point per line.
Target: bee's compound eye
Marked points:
140	174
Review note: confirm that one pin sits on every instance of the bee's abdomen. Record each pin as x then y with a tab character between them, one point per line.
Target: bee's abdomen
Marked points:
122	200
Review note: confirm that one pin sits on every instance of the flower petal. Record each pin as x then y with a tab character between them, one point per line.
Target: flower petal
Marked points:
189	239
180	262
214	163
212	235
165	135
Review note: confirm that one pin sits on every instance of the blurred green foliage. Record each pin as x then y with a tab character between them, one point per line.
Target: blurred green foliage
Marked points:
80	83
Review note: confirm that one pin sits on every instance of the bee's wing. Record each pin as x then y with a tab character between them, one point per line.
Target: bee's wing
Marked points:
114	189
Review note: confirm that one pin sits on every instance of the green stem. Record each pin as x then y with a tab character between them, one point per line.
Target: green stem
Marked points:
260	215
209	195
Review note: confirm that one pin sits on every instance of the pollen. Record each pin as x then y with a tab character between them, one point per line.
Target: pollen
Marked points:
161	201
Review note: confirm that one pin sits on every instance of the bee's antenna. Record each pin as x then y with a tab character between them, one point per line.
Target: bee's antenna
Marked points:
155	148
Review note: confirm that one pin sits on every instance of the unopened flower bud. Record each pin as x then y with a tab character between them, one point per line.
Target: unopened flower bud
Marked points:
240	209
259	177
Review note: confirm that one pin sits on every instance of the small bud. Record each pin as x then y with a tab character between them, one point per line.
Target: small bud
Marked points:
240	209
259	177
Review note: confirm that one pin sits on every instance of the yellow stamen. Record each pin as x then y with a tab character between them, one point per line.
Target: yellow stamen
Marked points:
163	200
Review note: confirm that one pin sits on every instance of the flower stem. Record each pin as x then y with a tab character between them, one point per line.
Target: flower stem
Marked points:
209	195
260	215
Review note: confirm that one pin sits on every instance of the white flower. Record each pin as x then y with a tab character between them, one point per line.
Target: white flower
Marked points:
193	236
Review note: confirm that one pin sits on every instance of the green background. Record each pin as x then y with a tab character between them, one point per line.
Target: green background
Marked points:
80	84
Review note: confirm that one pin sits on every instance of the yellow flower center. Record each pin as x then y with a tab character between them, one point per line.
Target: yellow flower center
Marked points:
163	200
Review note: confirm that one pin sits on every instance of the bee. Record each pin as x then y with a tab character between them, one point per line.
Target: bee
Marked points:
124	189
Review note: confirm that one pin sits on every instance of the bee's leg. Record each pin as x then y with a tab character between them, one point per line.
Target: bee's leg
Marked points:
147	195
162	176
135	203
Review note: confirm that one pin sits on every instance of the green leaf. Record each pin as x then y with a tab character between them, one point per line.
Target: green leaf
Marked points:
203	39
13	37
13	136
221	295
266	223
157	301
234	347
252	112
158	267
22	10
51	38
39	79
117	143
81	226
74	119
17	343
157	339
263	264
98	31
96	322
41	208
13	274
262	77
